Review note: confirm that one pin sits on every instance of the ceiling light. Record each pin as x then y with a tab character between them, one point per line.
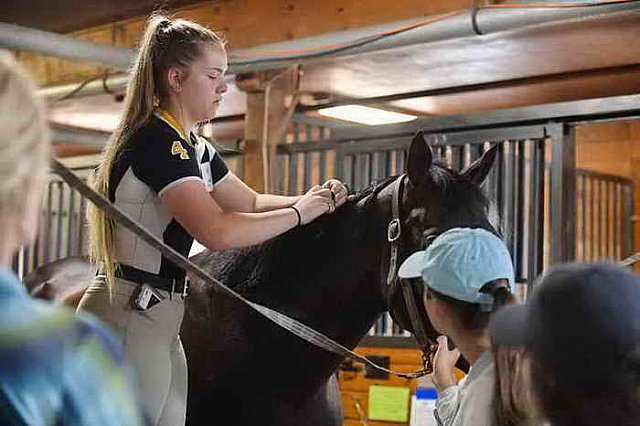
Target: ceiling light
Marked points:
365	115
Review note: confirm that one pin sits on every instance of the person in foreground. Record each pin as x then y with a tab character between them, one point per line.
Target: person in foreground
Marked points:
581	331
468	275
56	368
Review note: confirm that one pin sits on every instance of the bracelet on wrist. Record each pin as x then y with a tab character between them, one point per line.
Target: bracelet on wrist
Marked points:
295	209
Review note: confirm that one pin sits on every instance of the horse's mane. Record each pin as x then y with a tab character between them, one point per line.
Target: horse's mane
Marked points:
312	249
373	190
308	248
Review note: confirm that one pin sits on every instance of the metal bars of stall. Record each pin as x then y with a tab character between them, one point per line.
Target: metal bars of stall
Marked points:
61	230
517	188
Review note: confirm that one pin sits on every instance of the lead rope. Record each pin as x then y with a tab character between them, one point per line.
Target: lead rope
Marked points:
294	326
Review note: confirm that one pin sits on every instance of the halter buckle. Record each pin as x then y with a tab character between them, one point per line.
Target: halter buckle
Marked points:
394	230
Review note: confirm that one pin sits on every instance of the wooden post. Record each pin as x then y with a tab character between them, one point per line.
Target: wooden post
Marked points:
271	99
563	188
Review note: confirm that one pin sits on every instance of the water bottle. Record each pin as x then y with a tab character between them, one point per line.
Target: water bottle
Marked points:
423	403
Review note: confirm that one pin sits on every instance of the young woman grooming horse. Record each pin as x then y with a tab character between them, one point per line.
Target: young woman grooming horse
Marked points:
177	186
468	275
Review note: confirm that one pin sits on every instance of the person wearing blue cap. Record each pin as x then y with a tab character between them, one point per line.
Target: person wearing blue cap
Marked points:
581	331
468	274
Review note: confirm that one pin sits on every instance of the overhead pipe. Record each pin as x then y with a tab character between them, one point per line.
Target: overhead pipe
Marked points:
112	82
489	21
16	37
109	83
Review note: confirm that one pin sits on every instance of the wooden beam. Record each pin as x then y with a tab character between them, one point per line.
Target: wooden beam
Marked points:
271	100
245	23
73	150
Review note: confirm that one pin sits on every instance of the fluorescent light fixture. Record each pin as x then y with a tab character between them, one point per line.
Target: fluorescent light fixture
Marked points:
365	115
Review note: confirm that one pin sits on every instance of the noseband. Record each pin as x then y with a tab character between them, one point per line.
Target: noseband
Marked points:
394	231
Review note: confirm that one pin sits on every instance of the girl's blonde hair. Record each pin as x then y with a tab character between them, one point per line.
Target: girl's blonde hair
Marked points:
165	43
25	141
513	402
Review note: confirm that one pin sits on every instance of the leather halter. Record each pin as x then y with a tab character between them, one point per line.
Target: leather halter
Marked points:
394	231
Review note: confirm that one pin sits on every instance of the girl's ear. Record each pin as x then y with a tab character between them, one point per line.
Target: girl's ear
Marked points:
174	77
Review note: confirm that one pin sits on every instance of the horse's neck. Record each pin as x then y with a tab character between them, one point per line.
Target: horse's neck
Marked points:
364	302
342	284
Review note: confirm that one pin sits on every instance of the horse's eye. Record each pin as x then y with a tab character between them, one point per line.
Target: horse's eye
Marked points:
428	236
417	215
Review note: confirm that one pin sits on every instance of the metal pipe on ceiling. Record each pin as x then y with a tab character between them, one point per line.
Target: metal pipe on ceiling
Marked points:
113	82
16	37
490	21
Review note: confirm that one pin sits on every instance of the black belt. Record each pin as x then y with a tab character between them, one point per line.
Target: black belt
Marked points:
175	285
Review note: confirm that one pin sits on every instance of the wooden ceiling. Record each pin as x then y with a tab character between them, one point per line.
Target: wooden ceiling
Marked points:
63	16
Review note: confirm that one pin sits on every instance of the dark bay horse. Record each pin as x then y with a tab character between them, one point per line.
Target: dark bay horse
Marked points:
331	275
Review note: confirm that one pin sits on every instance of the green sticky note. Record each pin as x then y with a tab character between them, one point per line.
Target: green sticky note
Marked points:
389	403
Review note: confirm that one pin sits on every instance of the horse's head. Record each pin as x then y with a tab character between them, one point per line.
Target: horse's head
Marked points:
433	199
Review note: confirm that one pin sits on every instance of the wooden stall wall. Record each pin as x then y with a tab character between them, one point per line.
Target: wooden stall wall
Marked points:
613	148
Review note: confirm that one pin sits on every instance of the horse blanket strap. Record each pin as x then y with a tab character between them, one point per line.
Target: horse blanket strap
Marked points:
394	230
293	326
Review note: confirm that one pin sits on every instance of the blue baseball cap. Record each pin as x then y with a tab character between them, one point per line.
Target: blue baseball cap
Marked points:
459	262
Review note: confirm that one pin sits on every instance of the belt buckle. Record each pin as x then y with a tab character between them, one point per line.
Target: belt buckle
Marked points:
185	287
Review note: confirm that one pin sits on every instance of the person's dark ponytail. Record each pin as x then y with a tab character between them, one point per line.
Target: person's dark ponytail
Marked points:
501	293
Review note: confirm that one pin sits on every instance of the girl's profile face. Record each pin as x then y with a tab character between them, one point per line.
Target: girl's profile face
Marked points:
204	86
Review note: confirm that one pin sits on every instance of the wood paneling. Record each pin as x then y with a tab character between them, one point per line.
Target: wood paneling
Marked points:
355	385
613	148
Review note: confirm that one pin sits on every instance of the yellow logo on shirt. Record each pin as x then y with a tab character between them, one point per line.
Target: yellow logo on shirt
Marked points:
177	148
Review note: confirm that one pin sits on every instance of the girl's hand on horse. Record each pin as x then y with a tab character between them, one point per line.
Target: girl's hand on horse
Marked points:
444	362
339	191
316	202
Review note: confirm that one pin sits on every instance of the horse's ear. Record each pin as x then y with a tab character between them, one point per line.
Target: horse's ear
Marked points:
419	161
477	172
